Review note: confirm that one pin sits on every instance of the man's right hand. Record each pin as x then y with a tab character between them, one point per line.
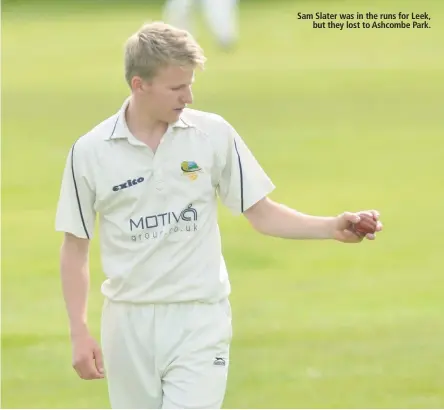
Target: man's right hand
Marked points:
87	357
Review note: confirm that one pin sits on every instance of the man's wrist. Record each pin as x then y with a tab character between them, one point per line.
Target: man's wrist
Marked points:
330	229
79	330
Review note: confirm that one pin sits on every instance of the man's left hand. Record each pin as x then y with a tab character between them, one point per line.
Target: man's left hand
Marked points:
344	227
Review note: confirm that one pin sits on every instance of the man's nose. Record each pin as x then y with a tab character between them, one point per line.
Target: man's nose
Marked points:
187	97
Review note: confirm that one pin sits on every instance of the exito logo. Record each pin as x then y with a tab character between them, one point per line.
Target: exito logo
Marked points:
190	169
128	184
164	224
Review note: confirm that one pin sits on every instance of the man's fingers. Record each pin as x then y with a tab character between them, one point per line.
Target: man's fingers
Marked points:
99	360
86	369
87	358
346	229
350	237
89	374
373	213
351	217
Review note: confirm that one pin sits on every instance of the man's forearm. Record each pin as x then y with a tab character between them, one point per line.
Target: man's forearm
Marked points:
278	220
75	285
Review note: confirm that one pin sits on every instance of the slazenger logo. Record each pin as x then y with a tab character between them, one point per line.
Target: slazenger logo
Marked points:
128	184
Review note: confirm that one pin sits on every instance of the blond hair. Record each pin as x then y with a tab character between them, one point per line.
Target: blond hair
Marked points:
158	45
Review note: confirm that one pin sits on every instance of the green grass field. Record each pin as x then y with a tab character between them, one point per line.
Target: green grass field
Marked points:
341	120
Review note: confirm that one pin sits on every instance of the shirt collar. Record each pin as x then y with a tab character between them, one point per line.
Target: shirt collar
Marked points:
120	129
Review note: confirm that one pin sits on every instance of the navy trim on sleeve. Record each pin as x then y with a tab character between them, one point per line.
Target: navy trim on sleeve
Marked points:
77	191
241	177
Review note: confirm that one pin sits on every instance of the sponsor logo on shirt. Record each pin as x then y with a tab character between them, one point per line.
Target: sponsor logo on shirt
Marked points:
190	169
128	184
164	224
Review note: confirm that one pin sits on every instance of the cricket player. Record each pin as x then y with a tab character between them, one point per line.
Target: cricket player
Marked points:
151	174
221	17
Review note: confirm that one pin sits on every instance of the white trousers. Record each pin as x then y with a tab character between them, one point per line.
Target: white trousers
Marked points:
220	15
166	356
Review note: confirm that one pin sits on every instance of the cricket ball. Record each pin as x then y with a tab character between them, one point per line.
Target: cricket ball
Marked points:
366	225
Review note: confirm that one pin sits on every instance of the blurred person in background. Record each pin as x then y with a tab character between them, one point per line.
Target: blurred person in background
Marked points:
221	17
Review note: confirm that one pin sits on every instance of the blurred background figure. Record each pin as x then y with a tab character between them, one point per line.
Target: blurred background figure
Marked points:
221	18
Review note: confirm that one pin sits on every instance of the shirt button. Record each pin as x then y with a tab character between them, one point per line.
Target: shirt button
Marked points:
159	185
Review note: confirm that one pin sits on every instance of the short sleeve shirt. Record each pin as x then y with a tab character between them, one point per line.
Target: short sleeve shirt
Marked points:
157	212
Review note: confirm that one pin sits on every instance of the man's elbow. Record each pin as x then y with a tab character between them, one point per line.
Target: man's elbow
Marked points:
260	226
259	216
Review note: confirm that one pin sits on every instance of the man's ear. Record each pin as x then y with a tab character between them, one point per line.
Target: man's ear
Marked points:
138	84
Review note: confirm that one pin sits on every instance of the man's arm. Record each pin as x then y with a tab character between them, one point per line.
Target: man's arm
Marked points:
74	270
274	219
75	218
244	187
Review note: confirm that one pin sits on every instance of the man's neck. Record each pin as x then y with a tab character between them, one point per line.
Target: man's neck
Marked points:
143	127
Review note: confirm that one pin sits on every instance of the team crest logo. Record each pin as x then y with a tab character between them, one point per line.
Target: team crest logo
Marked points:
190	169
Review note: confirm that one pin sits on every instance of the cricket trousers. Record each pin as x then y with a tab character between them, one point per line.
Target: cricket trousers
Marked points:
166	356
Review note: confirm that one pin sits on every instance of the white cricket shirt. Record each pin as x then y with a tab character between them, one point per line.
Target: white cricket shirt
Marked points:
157	213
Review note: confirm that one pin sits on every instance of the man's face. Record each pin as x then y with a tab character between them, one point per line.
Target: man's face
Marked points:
169	92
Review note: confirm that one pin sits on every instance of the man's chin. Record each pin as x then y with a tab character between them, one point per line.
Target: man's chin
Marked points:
175	115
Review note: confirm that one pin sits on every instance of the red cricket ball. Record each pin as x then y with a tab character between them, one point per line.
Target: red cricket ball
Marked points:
366	225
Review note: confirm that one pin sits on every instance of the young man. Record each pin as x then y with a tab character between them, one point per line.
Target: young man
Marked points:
221	17
152	173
